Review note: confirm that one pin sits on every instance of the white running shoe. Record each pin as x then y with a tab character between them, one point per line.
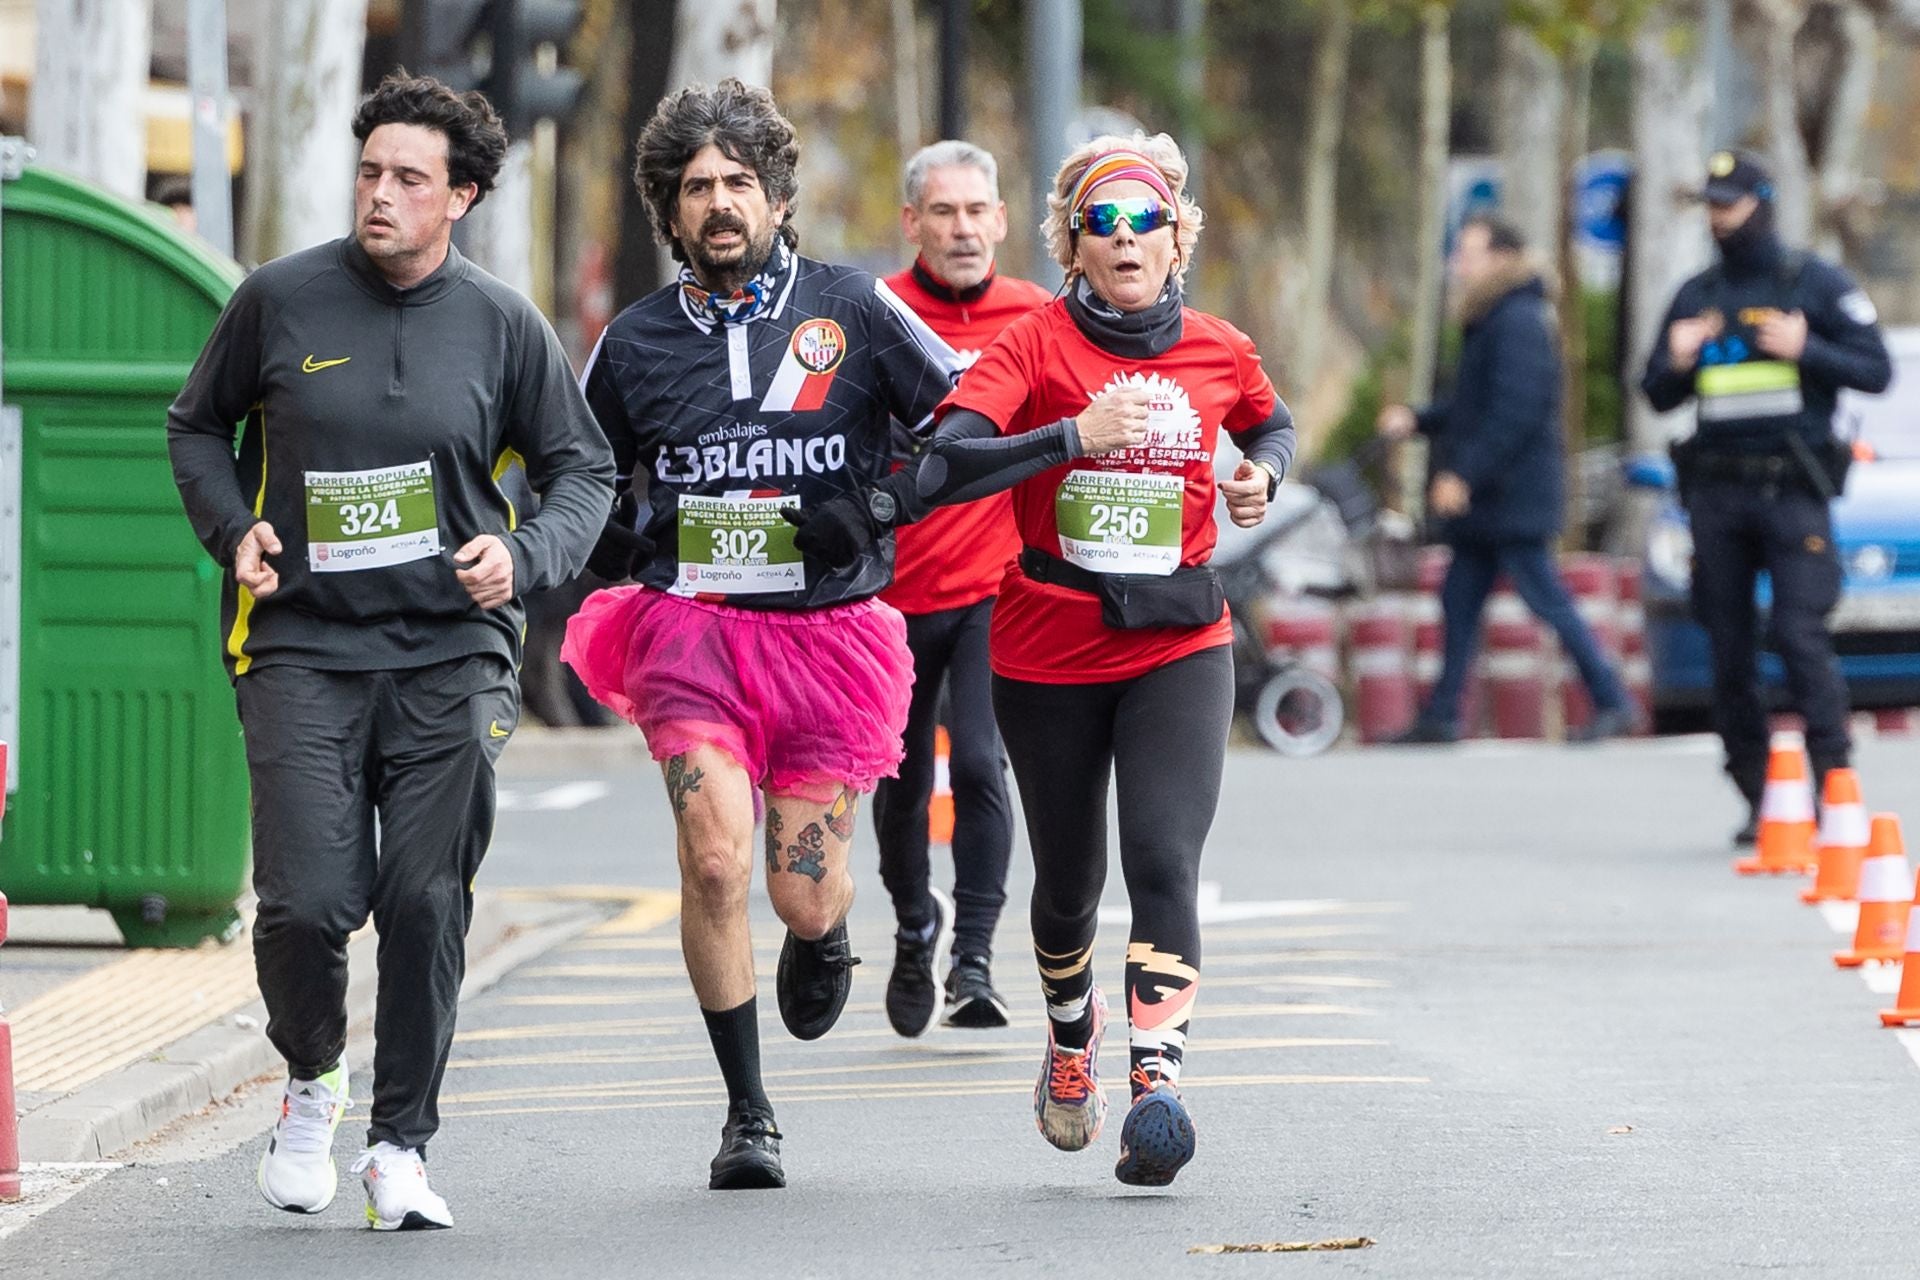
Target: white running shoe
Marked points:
398	1197
297	1172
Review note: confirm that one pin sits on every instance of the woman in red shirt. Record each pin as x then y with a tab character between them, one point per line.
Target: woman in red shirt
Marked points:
1111	644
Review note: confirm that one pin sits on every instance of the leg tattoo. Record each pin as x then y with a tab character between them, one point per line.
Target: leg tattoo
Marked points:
840	817
681	782
808	856
774	826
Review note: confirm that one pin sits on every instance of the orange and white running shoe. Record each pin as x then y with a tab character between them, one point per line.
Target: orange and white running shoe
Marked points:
1067	1102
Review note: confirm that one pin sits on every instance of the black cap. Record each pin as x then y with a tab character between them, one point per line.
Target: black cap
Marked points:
1734	174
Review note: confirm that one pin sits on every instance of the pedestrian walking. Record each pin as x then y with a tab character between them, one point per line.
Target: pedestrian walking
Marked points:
1497	489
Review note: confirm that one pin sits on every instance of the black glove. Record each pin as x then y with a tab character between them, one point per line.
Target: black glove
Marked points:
839	529
622	549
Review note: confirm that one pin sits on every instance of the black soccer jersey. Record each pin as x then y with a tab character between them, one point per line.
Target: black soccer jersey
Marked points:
719	423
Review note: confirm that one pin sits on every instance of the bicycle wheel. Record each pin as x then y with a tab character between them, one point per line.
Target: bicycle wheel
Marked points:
1299	712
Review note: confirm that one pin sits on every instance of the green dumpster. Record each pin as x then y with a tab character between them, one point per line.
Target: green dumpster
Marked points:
128	778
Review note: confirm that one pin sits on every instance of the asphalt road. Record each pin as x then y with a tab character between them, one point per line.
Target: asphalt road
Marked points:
1503	1011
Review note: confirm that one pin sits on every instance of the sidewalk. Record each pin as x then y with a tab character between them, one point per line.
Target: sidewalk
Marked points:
112	1045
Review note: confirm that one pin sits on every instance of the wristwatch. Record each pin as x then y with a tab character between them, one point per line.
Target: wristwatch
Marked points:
882	507
1273	477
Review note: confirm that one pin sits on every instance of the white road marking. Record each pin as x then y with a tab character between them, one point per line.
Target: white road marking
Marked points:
567	795
1841	917
1911	1039
1214	910
45	1186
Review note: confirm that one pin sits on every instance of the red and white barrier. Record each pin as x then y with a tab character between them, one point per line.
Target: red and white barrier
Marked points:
1592	581
1630	621
1516	668
1381	666
1306	629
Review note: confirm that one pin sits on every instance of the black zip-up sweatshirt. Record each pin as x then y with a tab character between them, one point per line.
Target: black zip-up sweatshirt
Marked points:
335	373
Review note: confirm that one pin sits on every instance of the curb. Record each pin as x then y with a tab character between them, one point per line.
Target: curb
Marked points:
206	1065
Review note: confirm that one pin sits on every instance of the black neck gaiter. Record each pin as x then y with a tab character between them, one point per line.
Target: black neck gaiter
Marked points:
1752	248
1138	335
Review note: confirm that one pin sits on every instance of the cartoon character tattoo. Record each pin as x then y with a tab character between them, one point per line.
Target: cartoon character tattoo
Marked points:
774	826
808	855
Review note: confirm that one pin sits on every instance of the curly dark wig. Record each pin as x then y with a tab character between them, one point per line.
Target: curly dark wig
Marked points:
743	121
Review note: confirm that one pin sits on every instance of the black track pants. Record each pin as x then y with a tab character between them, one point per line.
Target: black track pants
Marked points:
951	644
332	754
1162	738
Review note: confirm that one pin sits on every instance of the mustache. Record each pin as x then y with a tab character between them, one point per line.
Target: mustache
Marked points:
722	222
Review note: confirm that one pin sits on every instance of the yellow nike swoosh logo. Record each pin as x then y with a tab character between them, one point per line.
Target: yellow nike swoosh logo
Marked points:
310	365
495	731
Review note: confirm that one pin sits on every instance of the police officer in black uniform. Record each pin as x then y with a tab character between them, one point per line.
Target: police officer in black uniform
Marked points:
1764	340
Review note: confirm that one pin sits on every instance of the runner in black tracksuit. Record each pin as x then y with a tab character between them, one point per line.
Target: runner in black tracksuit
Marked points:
373	645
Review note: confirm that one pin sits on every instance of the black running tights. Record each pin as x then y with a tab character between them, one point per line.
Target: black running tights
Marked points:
1162	738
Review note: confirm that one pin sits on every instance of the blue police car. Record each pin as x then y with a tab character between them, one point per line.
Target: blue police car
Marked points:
1876	528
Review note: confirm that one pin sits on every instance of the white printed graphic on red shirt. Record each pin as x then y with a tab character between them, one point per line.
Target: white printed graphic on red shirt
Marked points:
1173	427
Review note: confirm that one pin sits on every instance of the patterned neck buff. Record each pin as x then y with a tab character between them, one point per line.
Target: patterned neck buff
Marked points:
751	299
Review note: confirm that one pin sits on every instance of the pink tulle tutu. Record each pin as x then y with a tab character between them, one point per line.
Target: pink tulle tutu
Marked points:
808	703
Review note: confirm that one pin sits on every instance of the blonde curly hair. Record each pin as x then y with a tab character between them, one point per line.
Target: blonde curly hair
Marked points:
1167	158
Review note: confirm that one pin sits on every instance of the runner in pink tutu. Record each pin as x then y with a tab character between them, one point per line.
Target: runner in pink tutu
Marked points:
751	405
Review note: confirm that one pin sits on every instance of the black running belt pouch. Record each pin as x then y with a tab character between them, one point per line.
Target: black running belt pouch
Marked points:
1189	597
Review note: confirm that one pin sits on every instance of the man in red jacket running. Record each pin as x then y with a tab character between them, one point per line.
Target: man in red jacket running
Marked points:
947	570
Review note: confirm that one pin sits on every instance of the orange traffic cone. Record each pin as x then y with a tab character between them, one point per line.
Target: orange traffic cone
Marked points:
940	807
1843	840
1786	814
1906	1007
1885	901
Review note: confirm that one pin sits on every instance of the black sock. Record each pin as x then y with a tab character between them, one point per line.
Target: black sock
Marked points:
736	1043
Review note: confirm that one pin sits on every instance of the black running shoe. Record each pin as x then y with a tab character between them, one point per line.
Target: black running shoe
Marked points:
971	1000
813	980
1157	1139
749	1158
1749	835
913	993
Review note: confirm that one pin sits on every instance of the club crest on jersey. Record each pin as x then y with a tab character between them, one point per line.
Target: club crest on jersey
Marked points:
807	371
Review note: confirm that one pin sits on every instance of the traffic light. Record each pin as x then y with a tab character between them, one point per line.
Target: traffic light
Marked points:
507	49
525	80
448	40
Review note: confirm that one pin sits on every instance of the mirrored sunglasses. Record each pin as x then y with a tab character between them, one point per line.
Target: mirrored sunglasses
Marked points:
1143	214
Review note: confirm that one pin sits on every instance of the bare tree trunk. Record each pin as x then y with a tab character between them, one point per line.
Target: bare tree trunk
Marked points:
1436	93
1774	24
1533	183
1328	109
301	152
1577	72
498	233
714	39
906	79
1672	84
1846	118
88	113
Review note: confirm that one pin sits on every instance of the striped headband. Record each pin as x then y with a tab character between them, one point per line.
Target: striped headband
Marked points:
1122	163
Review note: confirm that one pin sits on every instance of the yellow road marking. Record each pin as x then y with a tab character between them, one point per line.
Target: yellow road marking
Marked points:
878	1092
685	1022
950	1056
646	909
